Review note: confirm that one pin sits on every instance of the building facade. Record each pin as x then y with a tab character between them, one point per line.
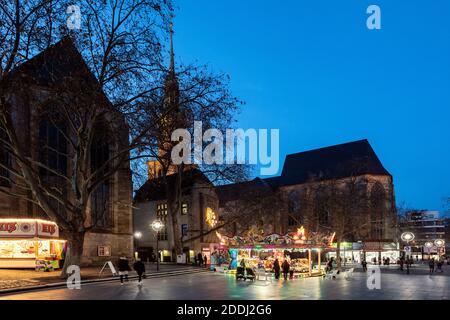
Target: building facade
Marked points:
427	227
197	214
343	188
33	86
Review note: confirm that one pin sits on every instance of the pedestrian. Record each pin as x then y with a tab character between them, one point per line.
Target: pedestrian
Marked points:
242	264
329	265
139	267
285	266
408	265
364	265
276	269
200	259
431	265
402	261
123	269
439	265
205	260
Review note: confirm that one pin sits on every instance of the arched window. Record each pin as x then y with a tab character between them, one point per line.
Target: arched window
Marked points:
53	157
4	159
322	209
377	202
101	212
294	208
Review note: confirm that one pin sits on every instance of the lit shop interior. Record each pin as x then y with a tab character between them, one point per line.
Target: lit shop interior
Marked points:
29	243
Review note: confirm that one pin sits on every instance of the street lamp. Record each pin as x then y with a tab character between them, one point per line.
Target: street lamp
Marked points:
137	236
157	225
407	237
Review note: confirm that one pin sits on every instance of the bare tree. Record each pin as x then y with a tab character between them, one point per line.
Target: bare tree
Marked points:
190	93
97	104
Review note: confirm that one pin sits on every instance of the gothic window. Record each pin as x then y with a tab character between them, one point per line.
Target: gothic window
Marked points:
293	202
322	209
161	214
4	159
101	197
53	157
377	201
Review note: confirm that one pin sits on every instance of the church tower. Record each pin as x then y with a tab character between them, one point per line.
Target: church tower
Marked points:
172	119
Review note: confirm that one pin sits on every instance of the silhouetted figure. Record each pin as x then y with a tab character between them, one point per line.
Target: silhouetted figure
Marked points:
364	265
286	268
276	269
431	265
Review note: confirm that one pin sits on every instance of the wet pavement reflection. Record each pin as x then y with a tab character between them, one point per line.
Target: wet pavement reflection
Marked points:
394	286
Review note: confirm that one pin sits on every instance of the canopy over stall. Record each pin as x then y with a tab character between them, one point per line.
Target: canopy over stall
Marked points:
25	243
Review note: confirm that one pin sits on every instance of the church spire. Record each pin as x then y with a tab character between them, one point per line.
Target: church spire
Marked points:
172	55
171	82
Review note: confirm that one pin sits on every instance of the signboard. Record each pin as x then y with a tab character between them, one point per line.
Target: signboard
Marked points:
104	251
184	229
28	228
111	267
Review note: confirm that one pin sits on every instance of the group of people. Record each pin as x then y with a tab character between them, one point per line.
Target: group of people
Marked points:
439	263
124	268
201	260
285	267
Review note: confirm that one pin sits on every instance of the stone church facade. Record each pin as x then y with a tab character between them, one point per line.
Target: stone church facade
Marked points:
31	92
342	188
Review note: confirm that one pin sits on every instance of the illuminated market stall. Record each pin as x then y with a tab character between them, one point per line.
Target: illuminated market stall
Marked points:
259	252
28	243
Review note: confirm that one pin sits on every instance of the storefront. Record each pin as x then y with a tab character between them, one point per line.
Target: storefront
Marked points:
27	243
350	252
374	251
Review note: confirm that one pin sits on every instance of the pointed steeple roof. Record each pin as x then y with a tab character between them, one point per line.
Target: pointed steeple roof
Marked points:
171	83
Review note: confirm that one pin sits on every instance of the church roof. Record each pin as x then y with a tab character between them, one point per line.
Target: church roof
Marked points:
154	189
334	162
236	191
59	62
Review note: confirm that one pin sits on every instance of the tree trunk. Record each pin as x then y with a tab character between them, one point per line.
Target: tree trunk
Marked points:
338	254
74	252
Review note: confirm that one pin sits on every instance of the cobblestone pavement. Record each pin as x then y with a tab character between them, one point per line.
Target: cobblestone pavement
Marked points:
395	285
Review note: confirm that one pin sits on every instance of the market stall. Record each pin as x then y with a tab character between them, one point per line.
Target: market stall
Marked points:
30	243
303	253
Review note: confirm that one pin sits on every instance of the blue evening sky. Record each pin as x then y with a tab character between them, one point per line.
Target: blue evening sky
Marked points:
313	70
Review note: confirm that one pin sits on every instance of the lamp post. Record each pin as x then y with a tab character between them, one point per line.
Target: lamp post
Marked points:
137	236
157	225
407	237
439	243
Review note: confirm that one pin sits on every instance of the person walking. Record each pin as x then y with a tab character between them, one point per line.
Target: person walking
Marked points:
408	265
205	260
200	259
439	265
402	261
123	269
364	265
431	265
139	267
285	266
276	269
